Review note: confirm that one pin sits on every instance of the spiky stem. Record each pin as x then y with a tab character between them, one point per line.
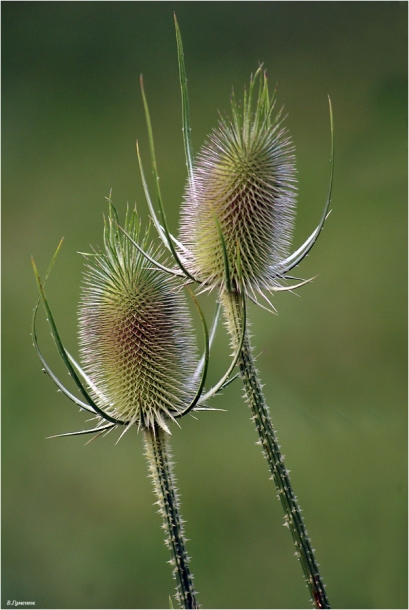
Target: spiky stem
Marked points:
160	466
271	450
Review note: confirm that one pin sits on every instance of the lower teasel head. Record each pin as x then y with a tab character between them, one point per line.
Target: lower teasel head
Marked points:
135	334
137	341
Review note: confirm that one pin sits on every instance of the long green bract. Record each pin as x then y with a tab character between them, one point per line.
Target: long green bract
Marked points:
158	193
49	371
185	103
62	352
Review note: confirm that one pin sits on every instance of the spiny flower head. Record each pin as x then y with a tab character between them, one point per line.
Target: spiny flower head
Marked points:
243	189
135	333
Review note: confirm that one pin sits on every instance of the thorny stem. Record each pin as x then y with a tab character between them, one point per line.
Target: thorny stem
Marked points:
271	450
157	454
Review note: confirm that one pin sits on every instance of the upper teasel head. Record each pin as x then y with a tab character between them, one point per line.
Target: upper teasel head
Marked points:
240	198
135	332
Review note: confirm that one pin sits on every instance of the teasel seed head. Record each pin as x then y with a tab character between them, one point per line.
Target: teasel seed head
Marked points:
135	332
243	188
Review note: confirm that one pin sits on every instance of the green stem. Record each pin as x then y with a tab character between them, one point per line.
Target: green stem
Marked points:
293	520
160	466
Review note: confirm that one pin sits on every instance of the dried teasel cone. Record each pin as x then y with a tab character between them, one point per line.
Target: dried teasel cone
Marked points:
242	186
135	333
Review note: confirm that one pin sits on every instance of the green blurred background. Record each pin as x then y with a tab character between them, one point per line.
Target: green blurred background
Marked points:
79	528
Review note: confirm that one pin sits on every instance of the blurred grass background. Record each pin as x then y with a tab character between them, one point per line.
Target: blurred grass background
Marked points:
79	528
